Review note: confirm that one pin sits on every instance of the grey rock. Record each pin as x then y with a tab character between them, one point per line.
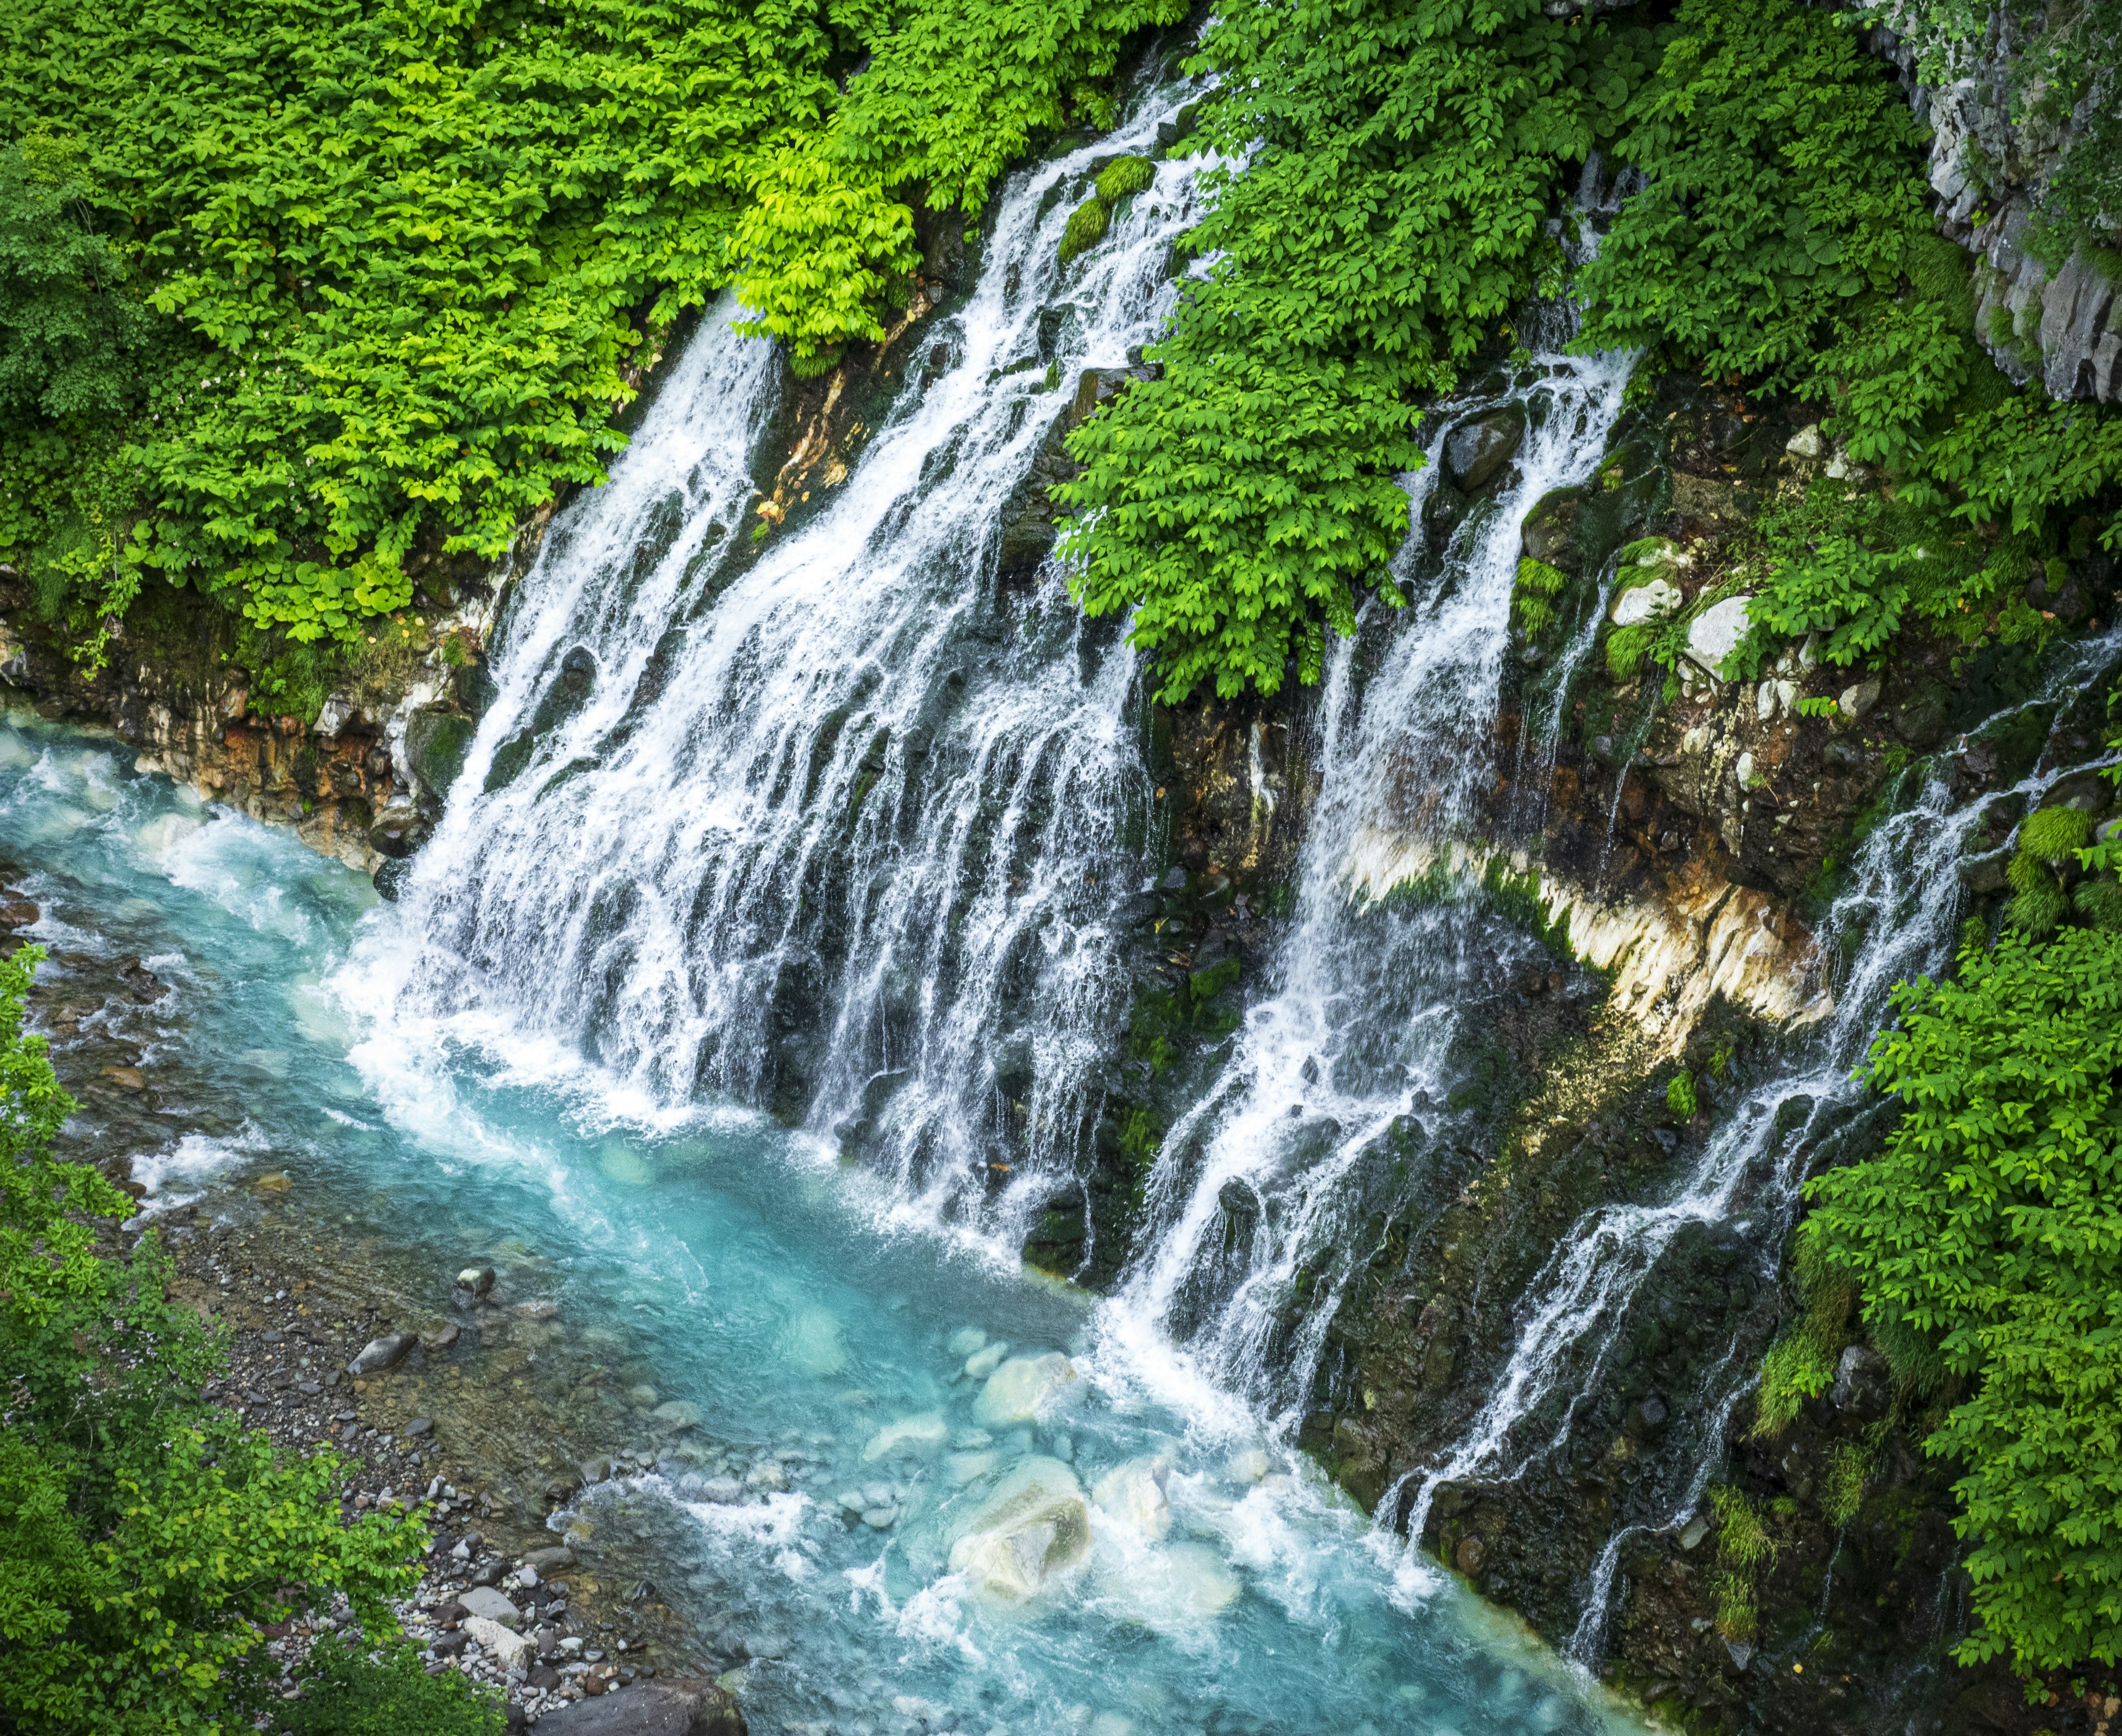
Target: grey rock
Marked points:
595	1470
1862	1383
383	1353
1715	634
437	742
673	1707
551	1559
417	1427
483	1600
1742	1654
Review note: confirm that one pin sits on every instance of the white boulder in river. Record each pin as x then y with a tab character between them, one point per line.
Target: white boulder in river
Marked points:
1017	1391
927	1429
1133	1495
1033	1530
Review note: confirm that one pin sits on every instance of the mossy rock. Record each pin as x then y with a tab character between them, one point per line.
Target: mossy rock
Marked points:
1122	176
437	742
1087	224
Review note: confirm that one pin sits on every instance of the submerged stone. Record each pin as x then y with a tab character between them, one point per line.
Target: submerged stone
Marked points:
1016	1392
1133	1495
927	1429
1035	1529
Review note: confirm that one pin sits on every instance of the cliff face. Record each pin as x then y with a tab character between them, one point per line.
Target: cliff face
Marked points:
2044	309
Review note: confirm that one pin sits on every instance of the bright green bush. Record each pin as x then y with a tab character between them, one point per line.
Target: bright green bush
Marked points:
1680	1094
1400	161
145	1539
1785	205
1533	594
1987	1230
404	255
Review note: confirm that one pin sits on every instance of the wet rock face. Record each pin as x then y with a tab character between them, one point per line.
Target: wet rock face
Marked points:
173	694
1991	162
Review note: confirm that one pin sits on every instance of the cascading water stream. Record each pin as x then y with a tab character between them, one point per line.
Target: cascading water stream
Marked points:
1356	1033
849	839
1898	919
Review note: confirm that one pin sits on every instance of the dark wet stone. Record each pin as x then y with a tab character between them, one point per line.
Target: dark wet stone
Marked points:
1477	450
383	1353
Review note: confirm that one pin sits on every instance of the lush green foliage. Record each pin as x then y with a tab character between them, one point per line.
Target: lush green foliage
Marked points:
1784	206
403	254
1986	1237
1801	1364
145	1539
1399	161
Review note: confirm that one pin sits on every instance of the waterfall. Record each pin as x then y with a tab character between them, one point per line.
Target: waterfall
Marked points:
838	826
1335	1068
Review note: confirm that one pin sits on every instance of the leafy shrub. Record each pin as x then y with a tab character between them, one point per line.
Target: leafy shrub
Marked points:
146	1539
1532	596
1842	1485
1626	649
1982	1230
2053	833
347	1692
1801	1364
403	260
1785	203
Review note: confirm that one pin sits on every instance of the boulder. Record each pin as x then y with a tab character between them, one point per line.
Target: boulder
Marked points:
927	1429
1185	1584
1479	447
1033	1530
1863	1383
1715	634
511	1649
550	1560
484	1601
398	831
680	1707
437	742
1133	1495
1017	1390
815	1345
984	1362
675	1417
1640	602
382	1353
1550	534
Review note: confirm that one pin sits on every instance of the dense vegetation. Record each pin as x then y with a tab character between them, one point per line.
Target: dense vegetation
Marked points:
295	291
147	1539
1388	221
